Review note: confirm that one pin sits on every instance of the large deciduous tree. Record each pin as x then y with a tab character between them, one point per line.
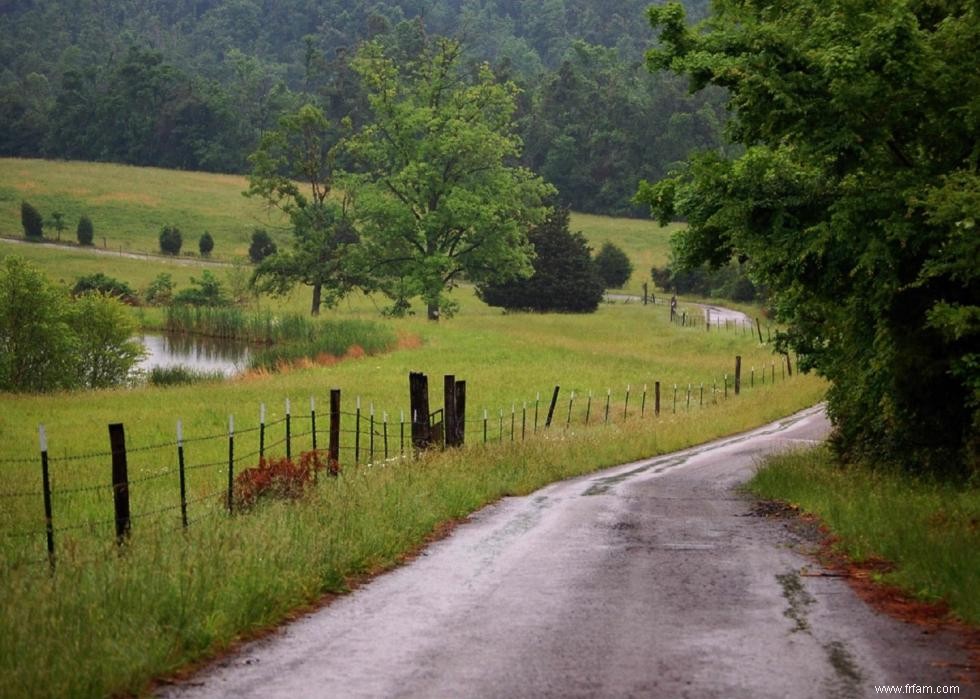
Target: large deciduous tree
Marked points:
293	171
438	196
856	201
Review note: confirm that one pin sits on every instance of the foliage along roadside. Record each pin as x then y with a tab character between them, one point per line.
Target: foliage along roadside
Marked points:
859	222
926	529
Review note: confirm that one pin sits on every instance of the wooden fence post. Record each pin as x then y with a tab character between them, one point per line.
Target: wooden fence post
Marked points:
418	386
656	399
551	408
289	452
738	374
120	480
758	327
261	431
460	413
789	365
333	445
449	425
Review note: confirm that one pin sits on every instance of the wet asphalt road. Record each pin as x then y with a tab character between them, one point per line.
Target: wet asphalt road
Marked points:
651	579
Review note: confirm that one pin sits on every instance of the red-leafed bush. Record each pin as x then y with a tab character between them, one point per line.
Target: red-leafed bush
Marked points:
280	478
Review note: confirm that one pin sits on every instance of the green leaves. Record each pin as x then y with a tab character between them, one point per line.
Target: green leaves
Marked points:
855	201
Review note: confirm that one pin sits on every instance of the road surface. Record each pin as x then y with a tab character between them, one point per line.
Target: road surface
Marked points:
717	315
651	579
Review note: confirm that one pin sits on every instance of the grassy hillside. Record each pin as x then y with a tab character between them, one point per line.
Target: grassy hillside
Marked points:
129	205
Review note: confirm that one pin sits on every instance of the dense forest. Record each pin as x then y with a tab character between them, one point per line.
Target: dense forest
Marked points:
192	84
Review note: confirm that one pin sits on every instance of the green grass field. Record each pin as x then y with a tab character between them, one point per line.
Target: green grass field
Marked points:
106	624
129	205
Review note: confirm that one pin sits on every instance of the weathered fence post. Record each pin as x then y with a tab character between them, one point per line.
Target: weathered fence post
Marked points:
418	385
313	432
789	365
551	408
588	407
180	471
46	488
401	432
738	375
231	463
523	420
460	413
656	399
449	425
675	398
120	480
513	419
626	404
571	400
758	327
644	293
333	444
643	401
537	403
608	398
484	425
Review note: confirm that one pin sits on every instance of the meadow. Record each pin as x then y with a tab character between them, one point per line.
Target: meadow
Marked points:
105	623
129	205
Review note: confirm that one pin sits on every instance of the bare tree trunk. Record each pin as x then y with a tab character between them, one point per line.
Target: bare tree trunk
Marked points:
433	311
315	310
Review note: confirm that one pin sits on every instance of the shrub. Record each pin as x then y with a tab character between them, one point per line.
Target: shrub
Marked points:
160	291
102	284
32	222
564	277
106	352
205	244
280	478
261	247
85	231
207	291
171	240
613	265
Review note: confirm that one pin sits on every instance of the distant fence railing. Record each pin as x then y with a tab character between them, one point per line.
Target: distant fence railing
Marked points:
191	478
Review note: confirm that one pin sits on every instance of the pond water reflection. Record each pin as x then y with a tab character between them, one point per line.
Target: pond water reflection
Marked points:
201	354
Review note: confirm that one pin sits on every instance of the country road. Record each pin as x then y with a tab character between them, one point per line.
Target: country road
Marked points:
651	579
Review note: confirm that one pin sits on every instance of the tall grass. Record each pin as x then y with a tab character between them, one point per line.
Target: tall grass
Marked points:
106	623
927	529
288	337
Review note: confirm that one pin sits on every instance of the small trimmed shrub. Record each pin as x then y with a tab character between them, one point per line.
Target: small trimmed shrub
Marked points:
160	292
85	231
171	240
613	265
31	220
205	244
207	291
261	247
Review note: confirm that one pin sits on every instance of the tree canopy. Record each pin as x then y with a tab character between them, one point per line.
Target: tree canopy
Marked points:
437	195
855	202
293	171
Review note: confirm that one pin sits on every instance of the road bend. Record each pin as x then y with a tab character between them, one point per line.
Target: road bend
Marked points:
651	579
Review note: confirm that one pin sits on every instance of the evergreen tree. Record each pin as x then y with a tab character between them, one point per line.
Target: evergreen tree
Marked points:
85	231
205	244
32	222
171	240
564	277
613	265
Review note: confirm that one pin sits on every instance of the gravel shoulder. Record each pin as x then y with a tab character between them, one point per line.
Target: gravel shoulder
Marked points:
651	579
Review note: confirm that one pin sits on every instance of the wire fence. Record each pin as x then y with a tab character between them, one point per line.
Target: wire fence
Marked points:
177	484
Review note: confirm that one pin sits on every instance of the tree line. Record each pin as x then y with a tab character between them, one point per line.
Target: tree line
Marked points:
192	85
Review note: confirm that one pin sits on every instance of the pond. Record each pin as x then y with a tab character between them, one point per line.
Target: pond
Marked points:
201	354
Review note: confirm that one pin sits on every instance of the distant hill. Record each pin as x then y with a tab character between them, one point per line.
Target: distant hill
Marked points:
191	84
